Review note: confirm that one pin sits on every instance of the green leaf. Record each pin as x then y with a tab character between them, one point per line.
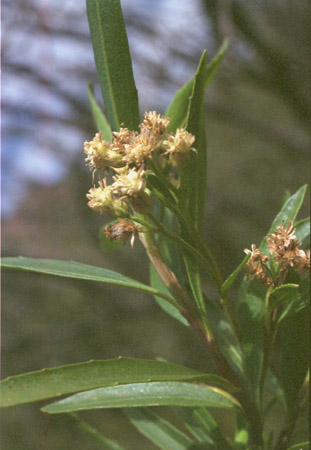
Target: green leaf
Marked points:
302	229
47	383
284	294
170	309
113	62
251	307
178	109
193	175
71	269
224	336
301	446
161	432
293	350
204	428
144	394
107	444
287	213
98	115
231	279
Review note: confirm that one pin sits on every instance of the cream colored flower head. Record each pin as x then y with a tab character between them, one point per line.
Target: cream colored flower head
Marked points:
100	198
100	155
140	150
155	123
180	142
102	201
122	139
178	147
129	183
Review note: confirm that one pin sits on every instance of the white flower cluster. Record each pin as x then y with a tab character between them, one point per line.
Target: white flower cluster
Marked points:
128	155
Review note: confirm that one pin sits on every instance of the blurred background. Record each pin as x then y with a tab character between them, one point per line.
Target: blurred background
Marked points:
258	147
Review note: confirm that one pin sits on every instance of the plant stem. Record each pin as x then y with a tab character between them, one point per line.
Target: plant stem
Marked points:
173	190
271	329
228	310
174	237
187	308
285	435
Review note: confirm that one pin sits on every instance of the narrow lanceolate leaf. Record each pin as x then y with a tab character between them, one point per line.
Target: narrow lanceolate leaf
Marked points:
47	383
113	62
282	295
301	446
302	230
144	394
72	269
170	309
231	279
99	116
287	213
178	109
161	432
106	443
251	308
203	427
293	350
193	176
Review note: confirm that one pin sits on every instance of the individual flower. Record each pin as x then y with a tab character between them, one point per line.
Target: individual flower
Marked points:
140	149
129	183
123	230
178	147
102	201
154	123
100	155
255	267
121	139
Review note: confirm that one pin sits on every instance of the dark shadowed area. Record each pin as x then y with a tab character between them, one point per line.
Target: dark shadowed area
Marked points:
258	148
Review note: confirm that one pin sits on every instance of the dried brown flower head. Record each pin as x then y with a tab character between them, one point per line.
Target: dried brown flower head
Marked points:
284	247
122	231
255	267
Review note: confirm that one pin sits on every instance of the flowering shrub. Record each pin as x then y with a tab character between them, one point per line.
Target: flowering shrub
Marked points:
150	179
